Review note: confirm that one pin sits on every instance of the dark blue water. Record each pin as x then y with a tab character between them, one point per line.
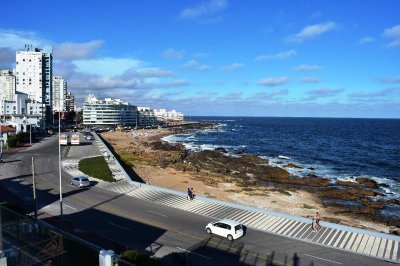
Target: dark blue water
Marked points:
336	148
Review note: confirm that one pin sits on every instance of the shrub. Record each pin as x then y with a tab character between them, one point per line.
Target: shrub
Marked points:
96	167
137	258
12	142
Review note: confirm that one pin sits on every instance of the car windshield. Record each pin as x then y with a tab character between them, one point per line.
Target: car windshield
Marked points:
84	179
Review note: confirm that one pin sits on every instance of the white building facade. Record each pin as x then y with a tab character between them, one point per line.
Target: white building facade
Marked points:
59	94
165	115
108	112
22	112
34	71
7	85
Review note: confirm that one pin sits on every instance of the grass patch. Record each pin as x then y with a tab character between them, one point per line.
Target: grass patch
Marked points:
128	158
96	167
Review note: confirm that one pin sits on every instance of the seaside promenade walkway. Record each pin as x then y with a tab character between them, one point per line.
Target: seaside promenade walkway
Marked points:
350	239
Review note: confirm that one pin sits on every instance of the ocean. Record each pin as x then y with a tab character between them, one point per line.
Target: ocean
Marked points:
334	148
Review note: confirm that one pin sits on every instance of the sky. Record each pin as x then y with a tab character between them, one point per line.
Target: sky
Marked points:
220	57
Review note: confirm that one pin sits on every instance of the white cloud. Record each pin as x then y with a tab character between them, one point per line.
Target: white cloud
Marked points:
365	40
16	39
147	73
394	34
232	67
71	51
274	81
312	31
382	93
7	58
194	65
277	56
108	66
304	68
323	92
393	80
310	80
205	9
173	54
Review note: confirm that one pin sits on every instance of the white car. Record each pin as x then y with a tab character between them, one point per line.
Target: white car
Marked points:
81	181
225	228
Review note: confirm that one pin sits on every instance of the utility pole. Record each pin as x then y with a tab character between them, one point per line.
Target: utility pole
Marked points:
34	188
59	164
1	141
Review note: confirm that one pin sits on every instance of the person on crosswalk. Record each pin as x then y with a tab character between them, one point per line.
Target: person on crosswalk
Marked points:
317	219
189	194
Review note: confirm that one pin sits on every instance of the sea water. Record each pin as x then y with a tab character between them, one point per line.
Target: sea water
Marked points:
333	148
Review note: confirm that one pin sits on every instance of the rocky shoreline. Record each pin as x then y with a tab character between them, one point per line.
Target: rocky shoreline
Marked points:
253	176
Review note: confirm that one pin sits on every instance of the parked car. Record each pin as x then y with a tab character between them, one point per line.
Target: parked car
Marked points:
226	228
81	181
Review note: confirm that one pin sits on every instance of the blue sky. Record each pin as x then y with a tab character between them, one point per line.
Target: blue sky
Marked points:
220	57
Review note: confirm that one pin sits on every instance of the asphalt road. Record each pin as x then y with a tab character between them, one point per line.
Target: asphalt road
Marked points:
150	227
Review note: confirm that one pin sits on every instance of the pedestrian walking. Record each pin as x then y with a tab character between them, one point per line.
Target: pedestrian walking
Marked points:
193	195
189	194
317	219
315	222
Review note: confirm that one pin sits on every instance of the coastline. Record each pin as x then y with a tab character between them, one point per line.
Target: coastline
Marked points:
140	153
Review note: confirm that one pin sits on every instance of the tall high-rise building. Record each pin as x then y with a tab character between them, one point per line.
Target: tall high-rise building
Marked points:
34	71
7	85
70	102
59	94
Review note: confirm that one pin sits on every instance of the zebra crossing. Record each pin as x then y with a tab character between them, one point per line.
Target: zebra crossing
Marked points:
357	241
378	245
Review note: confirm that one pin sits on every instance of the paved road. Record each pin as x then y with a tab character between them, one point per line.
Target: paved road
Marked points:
148	223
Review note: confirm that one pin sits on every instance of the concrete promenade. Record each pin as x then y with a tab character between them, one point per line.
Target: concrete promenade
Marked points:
350	239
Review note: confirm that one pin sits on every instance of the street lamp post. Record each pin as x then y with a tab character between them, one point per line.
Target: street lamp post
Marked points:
59	163
1	141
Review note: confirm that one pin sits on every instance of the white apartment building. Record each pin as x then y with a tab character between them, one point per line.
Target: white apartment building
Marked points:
34	71
166	116
108	112
7	85
21	112
59	94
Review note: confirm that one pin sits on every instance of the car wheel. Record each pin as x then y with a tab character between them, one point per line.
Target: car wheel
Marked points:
72	183
230	237
208	230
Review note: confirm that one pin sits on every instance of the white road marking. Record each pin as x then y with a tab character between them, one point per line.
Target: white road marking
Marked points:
322	259
158	214
120	226
194	253
70	207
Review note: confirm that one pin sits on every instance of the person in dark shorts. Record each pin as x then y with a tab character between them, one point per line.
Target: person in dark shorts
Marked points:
193	195
317	219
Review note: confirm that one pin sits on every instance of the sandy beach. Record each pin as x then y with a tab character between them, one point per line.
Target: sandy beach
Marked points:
134	149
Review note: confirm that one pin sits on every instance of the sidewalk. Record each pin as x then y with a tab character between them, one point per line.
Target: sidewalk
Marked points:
350	239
